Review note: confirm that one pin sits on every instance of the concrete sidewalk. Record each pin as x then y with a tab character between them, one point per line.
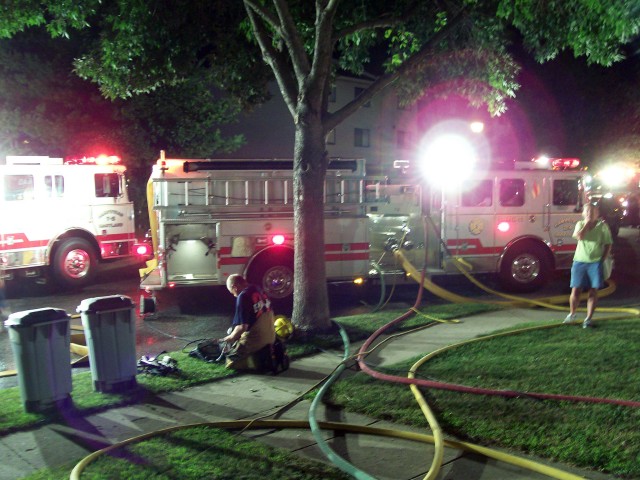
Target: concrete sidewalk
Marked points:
251	396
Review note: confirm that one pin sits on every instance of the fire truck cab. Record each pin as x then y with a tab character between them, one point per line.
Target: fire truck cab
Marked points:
212	218
62	217
517	222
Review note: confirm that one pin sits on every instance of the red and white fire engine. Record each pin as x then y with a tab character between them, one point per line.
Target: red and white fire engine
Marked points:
213	218
63	216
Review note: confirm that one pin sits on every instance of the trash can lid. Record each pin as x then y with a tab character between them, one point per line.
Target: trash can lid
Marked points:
30	318
102	304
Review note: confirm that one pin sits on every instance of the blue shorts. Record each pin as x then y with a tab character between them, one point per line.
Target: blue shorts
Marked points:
586	275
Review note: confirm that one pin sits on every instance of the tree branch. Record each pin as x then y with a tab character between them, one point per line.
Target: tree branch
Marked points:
323	46
335	118
264	14
382	21
274	58
292	39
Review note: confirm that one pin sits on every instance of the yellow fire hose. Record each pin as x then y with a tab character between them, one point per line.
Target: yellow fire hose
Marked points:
341	427
510	300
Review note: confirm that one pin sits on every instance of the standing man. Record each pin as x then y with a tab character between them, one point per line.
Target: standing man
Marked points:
594	246
252	325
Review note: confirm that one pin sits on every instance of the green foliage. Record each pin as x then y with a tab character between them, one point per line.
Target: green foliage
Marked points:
59	17
183	119
47	110
593	28
141	49
134	48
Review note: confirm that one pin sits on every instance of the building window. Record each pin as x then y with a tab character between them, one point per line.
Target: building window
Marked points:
331	138
403	139
357	91
422	114
361	137
332	95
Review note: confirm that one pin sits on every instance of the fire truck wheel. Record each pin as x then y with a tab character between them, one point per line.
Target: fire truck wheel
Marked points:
276	280
524	268
74	262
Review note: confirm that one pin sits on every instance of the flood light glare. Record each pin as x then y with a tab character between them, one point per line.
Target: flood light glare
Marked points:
448	160
615	175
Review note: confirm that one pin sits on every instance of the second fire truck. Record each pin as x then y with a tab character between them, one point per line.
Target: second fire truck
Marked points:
61	217
213	218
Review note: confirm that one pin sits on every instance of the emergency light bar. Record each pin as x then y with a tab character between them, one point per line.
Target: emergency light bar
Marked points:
564	163
546	163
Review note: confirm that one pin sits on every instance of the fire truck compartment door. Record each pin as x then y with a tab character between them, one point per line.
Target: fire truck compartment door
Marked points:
191	252
347	247
113	220
467	223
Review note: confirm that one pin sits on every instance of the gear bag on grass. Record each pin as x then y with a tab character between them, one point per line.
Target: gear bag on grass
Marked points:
208	350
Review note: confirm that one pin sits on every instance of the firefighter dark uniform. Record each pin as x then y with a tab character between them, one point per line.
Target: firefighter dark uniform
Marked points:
253	309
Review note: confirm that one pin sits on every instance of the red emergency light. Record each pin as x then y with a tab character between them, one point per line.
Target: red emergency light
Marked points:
98	160
278	239
504	227
142	249
565	163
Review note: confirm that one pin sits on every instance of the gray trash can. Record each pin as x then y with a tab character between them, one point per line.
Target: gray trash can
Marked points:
40	342
110	329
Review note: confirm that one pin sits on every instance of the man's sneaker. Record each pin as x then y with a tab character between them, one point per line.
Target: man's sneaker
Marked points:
587	323
570	318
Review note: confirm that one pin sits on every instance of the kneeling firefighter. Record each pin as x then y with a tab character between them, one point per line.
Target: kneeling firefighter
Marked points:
252	325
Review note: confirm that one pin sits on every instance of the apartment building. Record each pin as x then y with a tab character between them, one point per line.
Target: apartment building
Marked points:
381	131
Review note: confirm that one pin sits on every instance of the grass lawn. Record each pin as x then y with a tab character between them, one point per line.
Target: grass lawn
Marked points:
195	372
197	453
600	362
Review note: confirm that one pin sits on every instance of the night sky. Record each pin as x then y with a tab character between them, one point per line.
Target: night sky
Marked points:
570	108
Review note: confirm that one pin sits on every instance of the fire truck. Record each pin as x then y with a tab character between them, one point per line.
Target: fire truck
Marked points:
60	217
213	218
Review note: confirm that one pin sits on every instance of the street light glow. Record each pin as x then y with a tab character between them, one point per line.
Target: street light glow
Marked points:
476	127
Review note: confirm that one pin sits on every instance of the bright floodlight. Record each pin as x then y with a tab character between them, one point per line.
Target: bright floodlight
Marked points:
615	176
447	160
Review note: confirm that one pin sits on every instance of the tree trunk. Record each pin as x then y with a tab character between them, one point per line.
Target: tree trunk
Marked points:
310	299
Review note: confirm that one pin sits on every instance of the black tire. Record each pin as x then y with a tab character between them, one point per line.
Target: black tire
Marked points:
524	268
74	263
275	278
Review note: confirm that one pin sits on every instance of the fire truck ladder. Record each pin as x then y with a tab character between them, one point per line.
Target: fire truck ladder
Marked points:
254	193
